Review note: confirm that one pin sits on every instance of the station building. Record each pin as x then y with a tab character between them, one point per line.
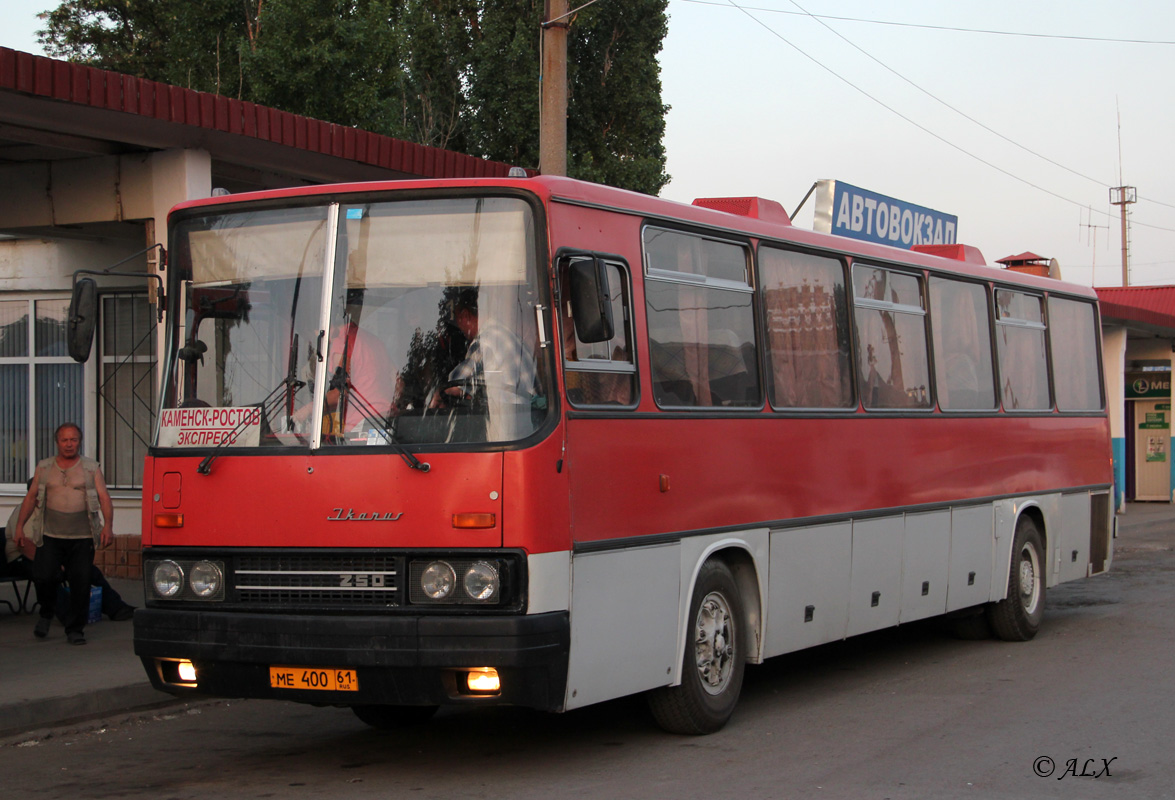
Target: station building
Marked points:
1138	329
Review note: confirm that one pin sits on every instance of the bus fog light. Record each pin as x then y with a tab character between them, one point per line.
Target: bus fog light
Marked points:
438	580
187	671
483	681
481	581
206	579
167	579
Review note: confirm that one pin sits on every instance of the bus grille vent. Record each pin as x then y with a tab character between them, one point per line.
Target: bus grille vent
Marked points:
318	580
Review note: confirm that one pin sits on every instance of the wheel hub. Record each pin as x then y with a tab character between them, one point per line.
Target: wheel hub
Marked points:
1029	590
714	643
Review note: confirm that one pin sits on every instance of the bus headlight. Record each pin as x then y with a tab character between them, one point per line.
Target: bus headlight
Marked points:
481	581
206	579
167	579
438	580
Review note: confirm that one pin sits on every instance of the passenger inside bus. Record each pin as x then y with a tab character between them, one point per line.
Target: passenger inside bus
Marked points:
362	378
496	360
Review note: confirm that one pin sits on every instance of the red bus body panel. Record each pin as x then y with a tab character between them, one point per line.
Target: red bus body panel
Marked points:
750	472
289	500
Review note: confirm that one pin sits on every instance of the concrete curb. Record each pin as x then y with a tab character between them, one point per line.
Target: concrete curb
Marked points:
16	718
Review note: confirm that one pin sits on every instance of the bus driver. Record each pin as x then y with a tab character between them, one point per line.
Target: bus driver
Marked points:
496	356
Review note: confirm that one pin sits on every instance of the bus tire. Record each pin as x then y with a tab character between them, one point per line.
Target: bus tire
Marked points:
392	718
1017	617
714	658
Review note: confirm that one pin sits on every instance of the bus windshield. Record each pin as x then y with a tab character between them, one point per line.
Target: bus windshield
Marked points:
357	323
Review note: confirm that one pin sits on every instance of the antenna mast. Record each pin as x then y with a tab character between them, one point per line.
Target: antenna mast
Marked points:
1091	233
1123	196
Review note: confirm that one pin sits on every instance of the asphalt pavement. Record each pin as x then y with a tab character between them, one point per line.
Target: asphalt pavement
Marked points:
46	683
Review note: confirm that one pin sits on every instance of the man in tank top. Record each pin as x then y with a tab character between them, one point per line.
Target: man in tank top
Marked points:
64	501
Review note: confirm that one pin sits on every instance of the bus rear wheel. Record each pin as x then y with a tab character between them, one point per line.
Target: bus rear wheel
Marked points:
392	718
1017	617
714	660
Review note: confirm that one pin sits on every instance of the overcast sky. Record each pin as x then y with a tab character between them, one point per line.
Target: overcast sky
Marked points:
1002	112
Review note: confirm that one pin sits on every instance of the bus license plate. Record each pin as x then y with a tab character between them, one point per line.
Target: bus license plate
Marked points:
315	678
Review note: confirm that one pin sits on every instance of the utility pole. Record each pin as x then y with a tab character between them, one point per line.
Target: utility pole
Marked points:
553	104
1124	196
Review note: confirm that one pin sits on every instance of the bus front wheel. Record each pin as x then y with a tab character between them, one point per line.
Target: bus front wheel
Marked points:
391	718
715	658
1017	617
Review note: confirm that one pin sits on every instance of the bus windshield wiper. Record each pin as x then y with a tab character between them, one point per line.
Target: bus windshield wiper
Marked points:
346	392
282	394
341	381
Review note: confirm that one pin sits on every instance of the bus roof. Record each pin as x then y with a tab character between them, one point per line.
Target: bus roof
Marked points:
773	226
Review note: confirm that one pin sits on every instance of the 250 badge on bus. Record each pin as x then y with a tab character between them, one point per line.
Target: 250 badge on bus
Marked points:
314	678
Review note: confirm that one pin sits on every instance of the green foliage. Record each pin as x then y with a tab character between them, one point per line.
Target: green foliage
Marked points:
182	42
503	107
457	74
616	120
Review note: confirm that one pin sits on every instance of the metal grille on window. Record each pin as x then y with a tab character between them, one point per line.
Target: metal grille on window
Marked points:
127	388
14	391
57	380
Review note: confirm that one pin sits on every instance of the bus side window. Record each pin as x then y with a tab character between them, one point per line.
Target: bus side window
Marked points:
893	367
702	347
961	326
808	343
600	373
1073	342
1024	372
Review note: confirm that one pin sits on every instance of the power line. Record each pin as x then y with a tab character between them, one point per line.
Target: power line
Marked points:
938	99
820	19
987	32
920	126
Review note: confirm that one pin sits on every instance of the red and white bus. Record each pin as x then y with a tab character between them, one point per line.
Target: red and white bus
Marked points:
540	442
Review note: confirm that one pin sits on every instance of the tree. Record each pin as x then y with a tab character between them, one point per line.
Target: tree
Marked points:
181	42
457	74
503	105
615	117
615	95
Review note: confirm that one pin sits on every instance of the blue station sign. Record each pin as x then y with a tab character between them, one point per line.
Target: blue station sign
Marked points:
847	210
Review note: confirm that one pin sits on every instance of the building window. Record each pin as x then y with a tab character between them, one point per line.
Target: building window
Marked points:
40	385
126	390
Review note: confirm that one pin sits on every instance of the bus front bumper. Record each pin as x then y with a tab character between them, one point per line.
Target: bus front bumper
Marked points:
393	660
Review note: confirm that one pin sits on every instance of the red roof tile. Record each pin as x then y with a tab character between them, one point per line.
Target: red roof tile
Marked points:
1150	305
82	85
1027	255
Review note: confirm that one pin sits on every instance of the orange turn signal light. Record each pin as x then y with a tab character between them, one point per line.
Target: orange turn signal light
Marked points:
473	520
169	520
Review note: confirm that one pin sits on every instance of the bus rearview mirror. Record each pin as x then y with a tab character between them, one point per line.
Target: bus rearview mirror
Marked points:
591	305
83	314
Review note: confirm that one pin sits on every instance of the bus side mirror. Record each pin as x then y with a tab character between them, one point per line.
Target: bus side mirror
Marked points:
83	314
591	304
